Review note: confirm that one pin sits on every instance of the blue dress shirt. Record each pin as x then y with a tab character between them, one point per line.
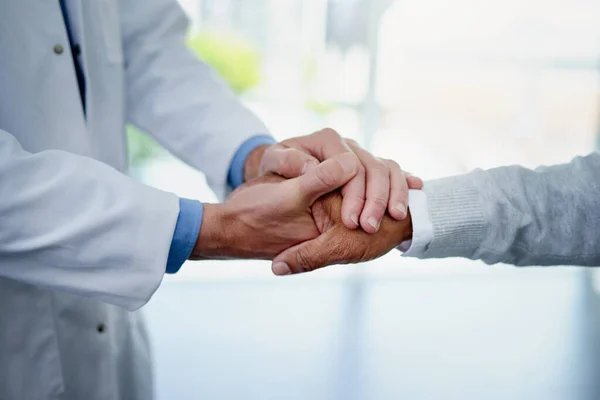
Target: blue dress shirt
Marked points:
189	220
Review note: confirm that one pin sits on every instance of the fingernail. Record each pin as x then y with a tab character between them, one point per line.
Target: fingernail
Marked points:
373	222
348	164
400	208
354	218
281	268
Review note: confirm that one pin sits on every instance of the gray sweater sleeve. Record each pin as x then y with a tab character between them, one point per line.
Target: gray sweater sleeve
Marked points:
547	216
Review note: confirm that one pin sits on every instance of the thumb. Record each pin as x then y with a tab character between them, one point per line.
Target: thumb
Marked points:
325	177
288	163
304	257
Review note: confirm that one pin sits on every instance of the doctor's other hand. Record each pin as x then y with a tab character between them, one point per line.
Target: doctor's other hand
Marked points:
264	217
336	244
378	186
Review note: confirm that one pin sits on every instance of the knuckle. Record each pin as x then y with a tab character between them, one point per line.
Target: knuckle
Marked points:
352	142
278	161
401	185
355	190
287	157
329	176
284	166
304	261
379	202
355	201
400	191
392	164
266	165
290	161
331	134
380	165
360	201
273	153
362	171
269	153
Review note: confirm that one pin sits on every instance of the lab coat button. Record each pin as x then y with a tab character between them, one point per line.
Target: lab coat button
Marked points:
58	49
100	328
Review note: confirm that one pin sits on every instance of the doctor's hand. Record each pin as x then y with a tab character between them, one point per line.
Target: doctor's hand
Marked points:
270	214
378	186
336	244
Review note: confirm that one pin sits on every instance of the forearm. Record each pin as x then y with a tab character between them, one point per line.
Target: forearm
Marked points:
72	223
518	216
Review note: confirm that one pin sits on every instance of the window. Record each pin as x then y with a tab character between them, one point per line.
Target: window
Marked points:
441	87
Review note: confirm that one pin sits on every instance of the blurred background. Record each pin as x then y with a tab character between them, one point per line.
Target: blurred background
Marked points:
443	88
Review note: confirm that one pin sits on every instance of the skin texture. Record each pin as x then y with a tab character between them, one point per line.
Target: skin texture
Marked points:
300	233
378	186
305	225
336	244
267	216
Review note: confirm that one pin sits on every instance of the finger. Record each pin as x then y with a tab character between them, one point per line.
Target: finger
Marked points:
325	177
354	199
398	191
414	182
325	144
328	143
306	256
287	162
377	189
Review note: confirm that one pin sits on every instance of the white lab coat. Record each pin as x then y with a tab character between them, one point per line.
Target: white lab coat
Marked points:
81	244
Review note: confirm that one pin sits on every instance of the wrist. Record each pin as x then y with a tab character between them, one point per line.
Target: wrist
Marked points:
252	165
212	237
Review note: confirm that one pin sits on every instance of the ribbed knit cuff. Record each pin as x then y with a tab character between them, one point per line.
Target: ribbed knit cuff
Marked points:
456	213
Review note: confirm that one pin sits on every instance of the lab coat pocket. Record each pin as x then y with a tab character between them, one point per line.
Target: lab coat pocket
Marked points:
108	13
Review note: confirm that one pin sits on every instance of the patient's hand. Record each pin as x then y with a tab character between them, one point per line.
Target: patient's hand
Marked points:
337	244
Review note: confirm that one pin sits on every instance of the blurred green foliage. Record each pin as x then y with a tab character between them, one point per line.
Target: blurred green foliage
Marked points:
310	69
232	56
314	103
320	107
140	146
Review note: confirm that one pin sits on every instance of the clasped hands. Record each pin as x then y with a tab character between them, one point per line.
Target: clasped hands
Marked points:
290	210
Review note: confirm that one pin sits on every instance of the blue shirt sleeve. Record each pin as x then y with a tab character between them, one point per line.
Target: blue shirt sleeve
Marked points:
186	233
236	169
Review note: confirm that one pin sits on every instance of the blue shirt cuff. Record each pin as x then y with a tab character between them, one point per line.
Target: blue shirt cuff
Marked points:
236	169
186	233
